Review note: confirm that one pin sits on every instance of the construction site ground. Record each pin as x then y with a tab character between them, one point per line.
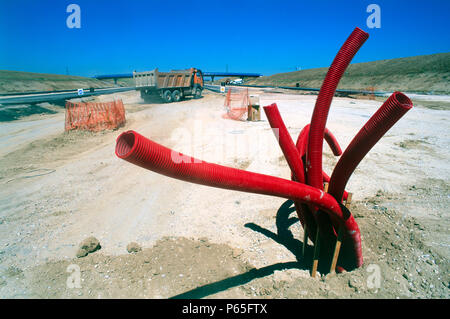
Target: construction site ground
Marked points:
57	188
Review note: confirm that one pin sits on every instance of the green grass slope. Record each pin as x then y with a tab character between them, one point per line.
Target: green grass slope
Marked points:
17	82
425	73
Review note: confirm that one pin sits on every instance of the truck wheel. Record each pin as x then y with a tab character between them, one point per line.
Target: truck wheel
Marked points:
167	96
198	94
176	96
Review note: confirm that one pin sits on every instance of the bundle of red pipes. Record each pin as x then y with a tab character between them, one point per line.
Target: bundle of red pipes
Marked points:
326	221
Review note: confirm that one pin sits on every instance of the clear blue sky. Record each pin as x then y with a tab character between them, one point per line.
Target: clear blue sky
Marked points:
249	36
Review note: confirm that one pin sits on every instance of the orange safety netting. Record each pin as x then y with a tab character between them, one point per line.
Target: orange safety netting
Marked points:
236	104
94	116
371	92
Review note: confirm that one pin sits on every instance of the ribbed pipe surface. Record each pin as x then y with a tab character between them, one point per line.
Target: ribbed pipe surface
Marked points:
323	102
137	149
285	141
386	116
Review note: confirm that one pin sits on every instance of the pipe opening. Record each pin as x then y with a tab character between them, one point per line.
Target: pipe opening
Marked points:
270	107
403	100
125	144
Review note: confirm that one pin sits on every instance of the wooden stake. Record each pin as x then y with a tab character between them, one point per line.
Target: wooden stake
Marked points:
337	247
316	255
249	113
305	239
349	200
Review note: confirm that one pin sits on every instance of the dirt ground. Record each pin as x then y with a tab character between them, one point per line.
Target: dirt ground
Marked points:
198	242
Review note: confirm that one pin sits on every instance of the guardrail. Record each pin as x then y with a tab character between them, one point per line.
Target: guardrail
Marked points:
58	96
54	91
378	93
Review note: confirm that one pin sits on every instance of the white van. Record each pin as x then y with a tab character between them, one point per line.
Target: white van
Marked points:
237	81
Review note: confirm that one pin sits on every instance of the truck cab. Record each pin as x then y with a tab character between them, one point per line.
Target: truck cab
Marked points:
198	77
198	83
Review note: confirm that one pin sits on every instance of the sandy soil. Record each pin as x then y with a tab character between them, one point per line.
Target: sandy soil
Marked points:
59	188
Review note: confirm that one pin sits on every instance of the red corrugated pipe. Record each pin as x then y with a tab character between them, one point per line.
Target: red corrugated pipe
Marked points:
294	161
325	222
320	113
302	142
293	157
143	152
305	160
386	116
285	141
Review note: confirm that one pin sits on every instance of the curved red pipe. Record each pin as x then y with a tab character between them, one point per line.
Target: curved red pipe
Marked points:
294	161
285	141
332	142
293	158
325	222
328	136
145	153
320	113
139	150
386	116
326	179
302	142
293	153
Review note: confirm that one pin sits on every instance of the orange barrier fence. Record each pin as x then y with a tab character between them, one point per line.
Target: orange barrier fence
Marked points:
371	92
94	116
236	104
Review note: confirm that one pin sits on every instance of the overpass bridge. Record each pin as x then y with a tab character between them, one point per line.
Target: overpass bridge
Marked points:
208	74
231	74
113	77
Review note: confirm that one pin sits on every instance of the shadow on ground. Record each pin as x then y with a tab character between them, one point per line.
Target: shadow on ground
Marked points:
15	112
283	237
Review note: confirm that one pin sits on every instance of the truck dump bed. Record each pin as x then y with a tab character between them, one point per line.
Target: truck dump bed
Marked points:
163	80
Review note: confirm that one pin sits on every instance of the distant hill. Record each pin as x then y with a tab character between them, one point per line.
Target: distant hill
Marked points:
424	73
17	82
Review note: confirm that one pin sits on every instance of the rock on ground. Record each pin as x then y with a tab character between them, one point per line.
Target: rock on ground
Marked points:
89	245
133	248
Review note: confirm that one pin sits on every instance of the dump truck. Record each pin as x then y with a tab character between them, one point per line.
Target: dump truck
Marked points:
171	86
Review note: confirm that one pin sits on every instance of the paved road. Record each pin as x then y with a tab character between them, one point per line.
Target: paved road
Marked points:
47	97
